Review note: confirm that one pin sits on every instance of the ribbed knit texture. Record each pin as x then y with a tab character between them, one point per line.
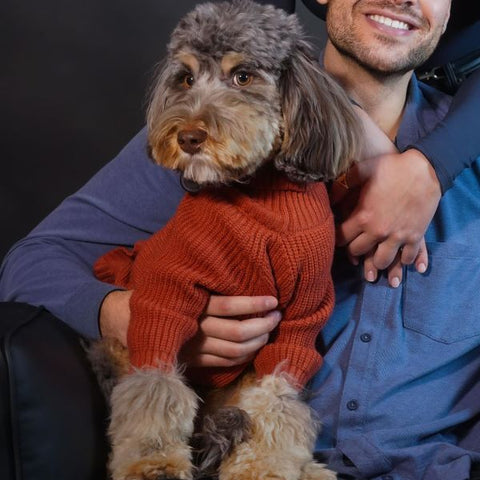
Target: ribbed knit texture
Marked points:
268	237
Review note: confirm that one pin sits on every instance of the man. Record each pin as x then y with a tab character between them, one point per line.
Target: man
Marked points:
392	357
397	392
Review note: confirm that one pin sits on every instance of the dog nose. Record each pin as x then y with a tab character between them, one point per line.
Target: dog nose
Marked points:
190	141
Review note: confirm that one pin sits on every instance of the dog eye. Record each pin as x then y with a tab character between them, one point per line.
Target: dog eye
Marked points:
242	79
188	80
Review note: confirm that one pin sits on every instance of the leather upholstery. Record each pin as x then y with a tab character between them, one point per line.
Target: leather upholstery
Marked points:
52	413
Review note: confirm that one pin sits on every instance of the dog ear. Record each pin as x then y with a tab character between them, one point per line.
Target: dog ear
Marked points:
156	94
322	134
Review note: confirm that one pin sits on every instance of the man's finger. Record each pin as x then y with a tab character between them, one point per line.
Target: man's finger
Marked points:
239	330
370	272
361	245
386	253
348	230
395	272
219	306
208	360
410	253
421	262
233	350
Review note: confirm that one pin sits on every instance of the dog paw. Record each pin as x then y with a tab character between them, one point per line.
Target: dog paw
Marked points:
260	468
156	467
317	471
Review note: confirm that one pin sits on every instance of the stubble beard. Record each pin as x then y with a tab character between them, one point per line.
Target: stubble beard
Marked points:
374	58
369	60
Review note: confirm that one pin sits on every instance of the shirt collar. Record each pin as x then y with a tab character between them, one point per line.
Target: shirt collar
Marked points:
424	108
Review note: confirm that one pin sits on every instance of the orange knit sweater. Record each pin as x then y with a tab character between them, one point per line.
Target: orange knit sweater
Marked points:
268	237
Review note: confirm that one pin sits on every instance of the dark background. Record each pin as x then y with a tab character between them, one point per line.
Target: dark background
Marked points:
73	77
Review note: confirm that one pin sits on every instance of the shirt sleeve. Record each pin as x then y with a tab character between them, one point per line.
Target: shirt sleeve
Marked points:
455	143
124	202
305	289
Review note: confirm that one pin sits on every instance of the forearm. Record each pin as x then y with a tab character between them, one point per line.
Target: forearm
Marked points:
40	272
455	144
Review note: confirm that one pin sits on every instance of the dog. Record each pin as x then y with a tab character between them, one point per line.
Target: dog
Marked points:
255	127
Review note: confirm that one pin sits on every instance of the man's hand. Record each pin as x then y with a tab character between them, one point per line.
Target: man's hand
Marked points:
224	341
221	341
398	197
115	315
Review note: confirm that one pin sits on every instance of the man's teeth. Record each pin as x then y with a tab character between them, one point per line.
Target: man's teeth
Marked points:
389	22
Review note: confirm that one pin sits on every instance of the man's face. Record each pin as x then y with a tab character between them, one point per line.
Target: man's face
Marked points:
387	36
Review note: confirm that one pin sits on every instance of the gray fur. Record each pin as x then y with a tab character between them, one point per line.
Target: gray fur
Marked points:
222	431
262	32
315	132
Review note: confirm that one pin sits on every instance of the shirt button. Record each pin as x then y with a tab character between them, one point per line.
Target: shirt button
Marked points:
365	337
352	405
387	477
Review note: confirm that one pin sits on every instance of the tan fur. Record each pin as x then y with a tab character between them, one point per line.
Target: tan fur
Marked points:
240	136
283	434
152	421
109	359
153	416
230	61
189	61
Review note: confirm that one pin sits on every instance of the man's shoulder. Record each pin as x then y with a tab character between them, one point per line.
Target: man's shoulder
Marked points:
425	107
435	100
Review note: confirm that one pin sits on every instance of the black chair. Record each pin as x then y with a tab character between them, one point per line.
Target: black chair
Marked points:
52	413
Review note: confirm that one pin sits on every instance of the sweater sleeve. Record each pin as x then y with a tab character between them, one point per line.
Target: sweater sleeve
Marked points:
172	277
455	143
125	201
166	304
306	296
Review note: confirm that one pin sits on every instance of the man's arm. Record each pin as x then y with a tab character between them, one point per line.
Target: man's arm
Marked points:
454	144
400	192
126	201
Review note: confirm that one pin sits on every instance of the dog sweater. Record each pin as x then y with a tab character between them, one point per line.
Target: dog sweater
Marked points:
267	237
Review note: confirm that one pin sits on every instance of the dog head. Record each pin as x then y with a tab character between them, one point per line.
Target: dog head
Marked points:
240	88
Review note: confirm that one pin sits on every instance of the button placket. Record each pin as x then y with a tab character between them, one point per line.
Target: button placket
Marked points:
355	391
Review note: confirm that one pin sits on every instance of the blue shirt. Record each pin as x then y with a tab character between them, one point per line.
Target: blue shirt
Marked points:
399	392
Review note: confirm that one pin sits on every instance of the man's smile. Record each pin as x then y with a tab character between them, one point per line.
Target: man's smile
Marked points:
389	22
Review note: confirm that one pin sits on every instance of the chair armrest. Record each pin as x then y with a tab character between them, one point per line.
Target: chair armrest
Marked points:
52	415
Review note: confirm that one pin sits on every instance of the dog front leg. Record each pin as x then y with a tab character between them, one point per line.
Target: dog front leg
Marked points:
283	433
151	422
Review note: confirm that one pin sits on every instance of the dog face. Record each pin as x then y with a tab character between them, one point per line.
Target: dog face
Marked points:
240	88
219	119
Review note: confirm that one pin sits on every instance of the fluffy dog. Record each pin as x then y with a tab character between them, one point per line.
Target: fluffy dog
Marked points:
243	111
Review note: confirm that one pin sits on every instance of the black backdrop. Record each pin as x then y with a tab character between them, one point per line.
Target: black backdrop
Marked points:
73	77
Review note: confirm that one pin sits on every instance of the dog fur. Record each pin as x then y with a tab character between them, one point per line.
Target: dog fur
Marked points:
243	76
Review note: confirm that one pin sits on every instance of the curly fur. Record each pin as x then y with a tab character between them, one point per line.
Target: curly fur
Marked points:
109	360
151	423
288	112
283	432
293	112
222	431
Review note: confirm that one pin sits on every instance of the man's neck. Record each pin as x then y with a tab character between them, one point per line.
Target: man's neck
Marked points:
382	97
